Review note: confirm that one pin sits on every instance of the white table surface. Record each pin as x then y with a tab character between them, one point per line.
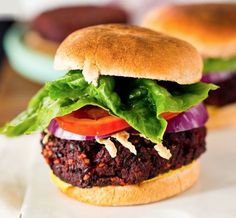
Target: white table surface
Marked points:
16	157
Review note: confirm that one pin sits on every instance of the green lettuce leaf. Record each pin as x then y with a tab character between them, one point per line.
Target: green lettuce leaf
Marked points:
139	101
214	65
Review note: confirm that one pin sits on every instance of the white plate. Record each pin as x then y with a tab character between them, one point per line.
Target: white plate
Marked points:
30	63
213	196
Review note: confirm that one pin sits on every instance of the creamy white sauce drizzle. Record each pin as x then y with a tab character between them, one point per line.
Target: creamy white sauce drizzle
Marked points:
46	137
123	137
109	145
163	151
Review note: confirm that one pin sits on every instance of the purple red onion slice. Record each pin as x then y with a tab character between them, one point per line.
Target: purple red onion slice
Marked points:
195	117
217	77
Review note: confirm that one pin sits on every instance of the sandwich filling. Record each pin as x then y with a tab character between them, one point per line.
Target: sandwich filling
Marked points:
221	72
122	131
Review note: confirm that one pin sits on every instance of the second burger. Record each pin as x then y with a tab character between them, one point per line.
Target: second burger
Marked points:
211	28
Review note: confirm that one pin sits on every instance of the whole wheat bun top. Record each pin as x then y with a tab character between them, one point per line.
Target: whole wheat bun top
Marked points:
211	28
124	50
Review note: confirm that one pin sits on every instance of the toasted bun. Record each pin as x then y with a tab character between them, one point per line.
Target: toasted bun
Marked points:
211	28
221	116
152	190
124	50
36	42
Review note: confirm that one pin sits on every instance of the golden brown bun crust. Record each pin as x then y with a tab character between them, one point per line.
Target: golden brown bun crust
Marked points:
222	116
153	190
211	28
124	50
35	41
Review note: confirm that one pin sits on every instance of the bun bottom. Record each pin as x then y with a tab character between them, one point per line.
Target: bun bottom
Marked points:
156	189
38	43
220	117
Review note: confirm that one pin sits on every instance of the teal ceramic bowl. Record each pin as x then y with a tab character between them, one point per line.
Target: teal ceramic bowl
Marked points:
30	63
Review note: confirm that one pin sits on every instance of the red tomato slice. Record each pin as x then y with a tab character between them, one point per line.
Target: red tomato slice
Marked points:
95	121
169	115
91	121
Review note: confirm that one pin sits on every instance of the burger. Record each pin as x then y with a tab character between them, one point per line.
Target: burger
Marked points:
51	27
35	44
211	28
126	124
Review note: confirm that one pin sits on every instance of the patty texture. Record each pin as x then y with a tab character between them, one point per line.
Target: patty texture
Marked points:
87	163
225	95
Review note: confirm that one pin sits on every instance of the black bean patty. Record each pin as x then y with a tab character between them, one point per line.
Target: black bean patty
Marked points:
226	94
87	163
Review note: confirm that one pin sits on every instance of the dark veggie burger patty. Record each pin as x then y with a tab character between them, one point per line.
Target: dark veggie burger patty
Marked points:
225	95
88	163
58	23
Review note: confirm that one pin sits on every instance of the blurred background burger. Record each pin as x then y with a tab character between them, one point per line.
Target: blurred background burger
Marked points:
211	28
35	43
